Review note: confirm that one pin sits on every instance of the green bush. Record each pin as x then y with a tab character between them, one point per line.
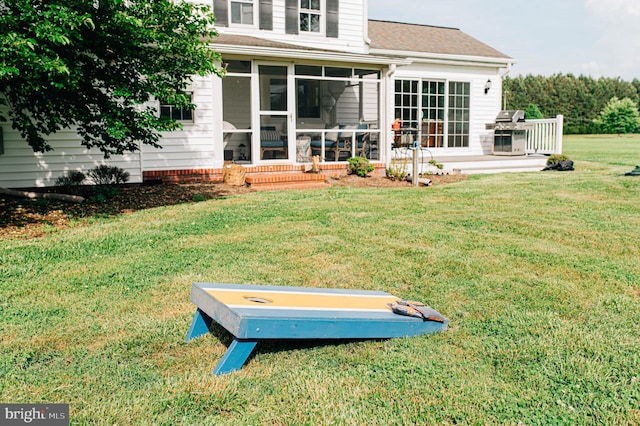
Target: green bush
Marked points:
71	178
108	175
359	166
103	193
533	112
557	158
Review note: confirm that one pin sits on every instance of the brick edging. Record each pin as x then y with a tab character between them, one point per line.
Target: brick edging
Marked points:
215	175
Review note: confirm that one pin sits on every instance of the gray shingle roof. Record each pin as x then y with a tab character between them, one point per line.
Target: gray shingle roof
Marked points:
392	36
397	36
242	40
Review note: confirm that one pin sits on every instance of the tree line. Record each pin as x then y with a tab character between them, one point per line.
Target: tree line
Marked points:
579	99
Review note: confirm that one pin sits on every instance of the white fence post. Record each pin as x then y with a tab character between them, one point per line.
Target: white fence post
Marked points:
559	131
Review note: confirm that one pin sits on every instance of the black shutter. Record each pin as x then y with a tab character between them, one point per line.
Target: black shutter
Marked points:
291	25
221	12
332	18
266	15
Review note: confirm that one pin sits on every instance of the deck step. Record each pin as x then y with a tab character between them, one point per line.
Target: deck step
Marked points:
291	180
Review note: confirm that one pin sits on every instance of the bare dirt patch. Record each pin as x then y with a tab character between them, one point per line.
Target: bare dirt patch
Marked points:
22	218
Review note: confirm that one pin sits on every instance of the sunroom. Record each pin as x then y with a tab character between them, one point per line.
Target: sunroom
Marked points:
278	112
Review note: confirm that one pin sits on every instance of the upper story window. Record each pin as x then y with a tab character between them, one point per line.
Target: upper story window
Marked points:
318	17
310	16
242	12
249	13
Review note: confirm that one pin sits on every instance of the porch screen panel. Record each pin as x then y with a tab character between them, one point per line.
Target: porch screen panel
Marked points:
221	12
236	112
308	98
370	110
332	18
458	123
291	17
266	15
273	88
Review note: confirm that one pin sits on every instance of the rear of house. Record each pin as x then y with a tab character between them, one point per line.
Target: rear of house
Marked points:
305	78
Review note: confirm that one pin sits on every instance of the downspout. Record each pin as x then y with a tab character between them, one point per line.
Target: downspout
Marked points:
391	71
506	71
502	75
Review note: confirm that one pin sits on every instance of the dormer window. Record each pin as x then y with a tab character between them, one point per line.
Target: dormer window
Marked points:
310	16
242	12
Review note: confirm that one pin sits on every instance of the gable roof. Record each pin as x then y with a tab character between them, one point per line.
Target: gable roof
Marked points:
426	39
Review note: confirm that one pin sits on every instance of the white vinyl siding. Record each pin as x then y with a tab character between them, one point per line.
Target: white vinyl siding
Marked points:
342	26
193	146
20	167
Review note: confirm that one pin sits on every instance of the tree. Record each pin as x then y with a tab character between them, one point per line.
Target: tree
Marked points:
579	99
533	112
619	116
95	65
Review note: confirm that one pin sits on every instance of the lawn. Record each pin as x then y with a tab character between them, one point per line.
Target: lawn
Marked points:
537	272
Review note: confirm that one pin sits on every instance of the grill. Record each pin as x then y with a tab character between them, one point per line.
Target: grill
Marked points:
510	133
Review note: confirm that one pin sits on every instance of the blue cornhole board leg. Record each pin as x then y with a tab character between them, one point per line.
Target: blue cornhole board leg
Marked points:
237	353
199	325
235	357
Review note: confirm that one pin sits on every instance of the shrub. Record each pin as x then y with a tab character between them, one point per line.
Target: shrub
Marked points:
103	193
108	175
437	165
359	166
533	112
71	178
557	158
397	170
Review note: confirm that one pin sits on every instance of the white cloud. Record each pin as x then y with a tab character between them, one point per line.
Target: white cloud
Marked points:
617	49
614	8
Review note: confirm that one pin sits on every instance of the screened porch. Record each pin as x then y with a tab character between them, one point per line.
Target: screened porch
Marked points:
289	113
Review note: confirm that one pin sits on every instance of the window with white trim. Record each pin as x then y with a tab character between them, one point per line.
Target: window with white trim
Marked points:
177	113
458	114
310	16
242	12
438	118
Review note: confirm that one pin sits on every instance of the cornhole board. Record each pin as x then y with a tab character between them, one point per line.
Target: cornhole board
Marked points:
256	312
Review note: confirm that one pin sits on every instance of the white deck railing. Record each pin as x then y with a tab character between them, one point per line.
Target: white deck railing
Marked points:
545	137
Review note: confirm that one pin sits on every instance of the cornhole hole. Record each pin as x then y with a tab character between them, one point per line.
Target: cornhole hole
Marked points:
256	312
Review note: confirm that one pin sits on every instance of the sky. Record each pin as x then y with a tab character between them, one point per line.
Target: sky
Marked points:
597	38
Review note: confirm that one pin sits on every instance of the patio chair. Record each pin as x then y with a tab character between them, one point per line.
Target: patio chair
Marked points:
338	143
345	141
271	140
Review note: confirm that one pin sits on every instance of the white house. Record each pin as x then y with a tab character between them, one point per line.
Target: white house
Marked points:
306	77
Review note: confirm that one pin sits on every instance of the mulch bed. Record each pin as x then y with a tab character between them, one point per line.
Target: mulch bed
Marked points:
22	218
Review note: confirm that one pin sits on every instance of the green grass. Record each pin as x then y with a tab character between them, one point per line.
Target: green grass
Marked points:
537	272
